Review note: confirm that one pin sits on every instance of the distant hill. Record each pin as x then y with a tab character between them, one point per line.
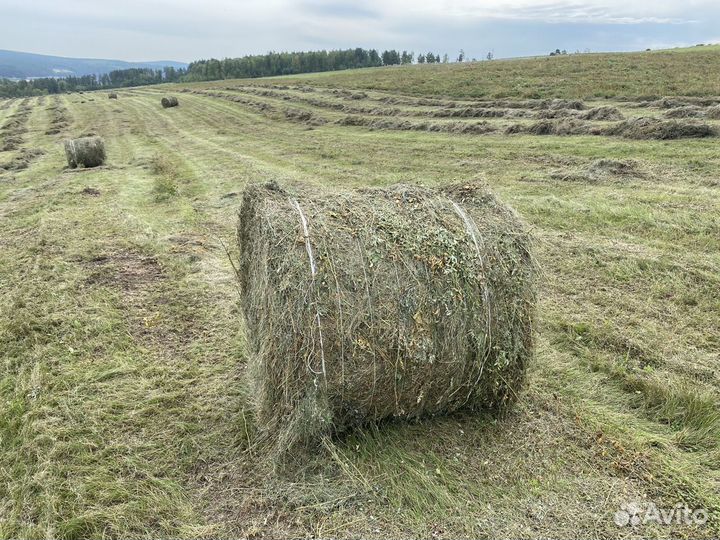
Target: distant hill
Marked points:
21	65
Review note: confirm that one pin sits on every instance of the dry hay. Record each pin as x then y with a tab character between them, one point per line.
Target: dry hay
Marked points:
314	101
677	102
615	167
14	128
260	106
599	170
169	101
551	114
564	126
468	112
653	128
713	112
23	159
567	104
667	103
690	111
573	104
344	93
637	128
604	113
85	152
304	117
60	119
400	302
477	128
11	142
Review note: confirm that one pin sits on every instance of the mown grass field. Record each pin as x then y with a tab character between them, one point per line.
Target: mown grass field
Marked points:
689	72
123	406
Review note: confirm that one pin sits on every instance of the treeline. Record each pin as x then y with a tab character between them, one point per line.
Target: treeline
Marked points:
292	63
114	79
259	65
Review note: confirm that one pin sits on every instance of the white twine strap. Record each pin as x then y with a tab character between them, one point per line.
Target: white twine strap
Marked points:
472	230
470	227
74	151
313	272
306	235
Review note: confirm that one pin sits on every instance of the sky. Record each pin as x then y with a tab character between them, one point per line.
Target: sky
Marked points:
185	30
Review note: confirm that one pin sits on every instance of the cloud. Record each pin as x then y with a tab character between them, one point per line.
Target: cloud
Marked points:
190	29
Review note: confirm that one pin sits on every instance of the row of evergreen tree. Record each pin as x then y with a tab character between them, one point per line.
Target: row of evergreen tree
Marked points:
260	65
291	63
114	79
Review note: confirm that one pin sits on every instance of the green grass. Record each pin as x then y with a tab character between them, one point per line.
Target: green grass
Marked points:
123	407
691	72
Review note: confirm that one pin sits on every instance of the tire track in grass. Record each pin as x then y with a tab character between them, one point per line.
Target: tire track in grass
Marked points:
301	164
247	165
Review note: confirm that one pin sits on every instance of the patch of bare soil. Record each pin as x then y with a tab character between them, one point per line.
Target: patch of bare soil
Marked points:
158	311
128	271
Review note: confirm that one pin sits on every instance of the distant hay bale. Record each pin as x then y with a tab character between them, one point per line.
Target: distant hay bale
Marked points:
381	303
85	152
169	101
112	95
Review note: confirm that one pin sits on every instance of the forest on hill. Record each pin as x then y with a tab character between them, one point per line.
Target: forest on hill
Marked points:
251	66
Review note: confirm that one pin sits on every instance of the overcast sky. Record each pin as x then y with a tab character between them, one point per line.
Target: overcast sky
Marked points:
190	29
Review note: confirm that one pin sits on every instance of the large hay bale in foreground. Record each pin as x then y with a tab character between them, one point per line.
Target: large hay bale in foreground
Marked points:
377	303
169	101
85	152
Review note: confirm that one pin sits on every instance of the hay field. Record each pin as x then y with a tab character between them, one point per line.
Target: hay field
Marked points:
123	407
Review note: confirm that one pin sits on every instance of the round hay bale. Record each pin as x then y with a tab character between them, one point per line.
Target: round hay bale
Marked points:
169	101
112	95
85	152
379	303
